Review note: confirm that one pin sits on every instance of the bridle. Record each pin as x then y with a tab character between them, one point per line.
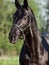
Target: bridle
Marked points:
22	30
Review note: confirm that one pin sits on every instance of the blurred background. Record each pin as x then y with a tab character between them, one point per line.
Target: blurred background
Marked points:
9	54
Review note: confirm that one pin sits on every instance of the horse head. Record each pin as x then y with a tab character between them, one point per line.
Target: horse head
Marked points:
21	21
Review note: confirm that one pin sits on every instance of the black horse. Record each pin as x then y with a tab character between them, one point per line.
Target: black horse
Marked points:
33	52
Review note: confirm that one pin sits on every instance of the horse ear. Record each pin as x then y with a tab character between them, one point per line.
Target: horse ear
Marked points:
25	3
17	4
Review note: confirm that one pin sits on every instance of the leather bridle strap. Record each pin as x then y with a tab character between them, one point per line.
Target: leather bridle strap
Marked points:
22	30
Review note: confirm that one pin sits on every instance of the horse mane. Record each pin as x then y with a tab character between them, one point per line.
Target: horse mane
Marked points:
34	27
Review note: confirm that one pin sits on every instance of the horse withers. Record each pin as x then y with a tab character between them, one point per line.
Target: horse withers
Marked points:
33	51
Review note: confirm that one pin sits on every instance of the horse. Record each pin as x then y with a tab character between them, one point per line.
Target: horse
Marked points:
34	50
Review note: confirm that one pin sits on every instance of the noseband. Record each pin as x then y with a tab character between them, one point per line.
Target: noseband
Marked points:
22	30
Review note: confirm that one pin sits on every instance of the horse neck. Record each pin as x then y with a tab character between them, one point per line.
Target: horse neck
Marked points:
31	42
32	38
